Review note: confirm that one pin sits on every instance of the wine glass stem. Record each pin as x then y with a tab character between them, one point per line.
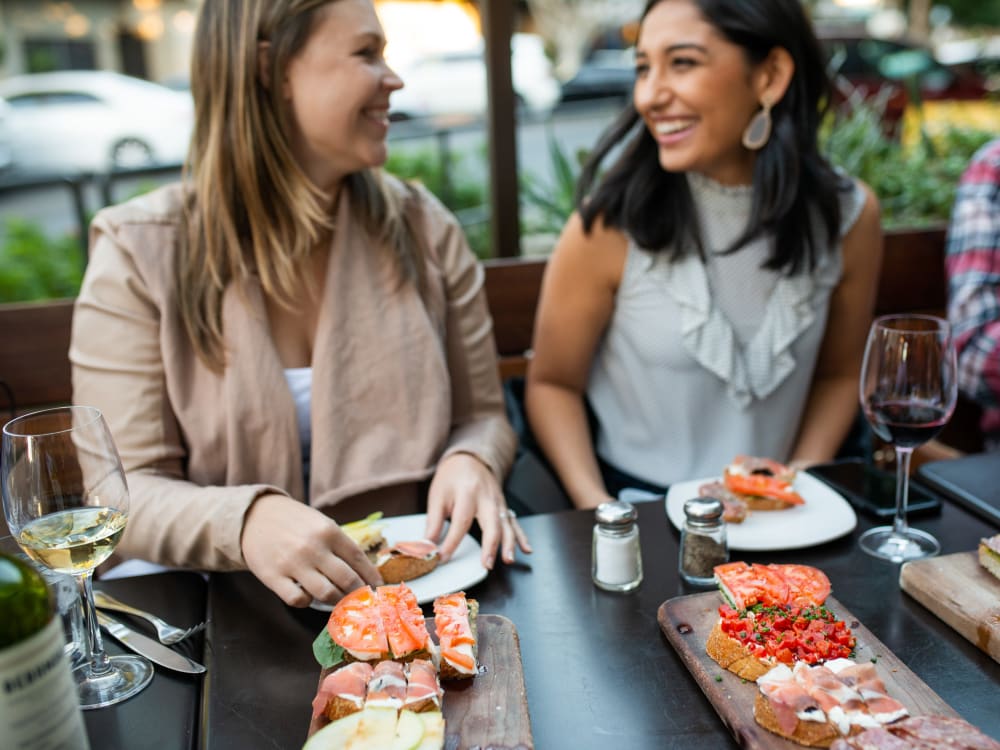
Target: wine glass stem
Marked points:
98	659
903	455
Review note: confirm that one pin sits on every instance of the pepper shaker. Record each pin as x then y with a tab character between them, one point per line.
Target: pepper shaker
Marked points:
703	541
617	563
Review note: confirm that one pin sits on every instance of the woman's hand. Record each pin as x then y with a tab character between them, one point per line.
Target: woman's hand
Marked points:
301	554
464	489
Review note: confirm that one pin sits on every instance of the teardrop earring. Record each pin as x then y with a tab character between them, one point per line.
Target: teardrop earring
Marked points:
759	130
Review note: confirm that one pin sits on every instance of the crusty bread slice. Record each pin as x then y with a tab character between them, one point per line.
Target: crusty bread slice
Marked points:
396	567
755	502
808	733
989	554
732	655
337	707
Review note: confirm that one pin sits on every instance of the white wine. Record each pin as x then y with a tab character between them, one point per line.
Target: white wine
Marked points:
39	709
75	540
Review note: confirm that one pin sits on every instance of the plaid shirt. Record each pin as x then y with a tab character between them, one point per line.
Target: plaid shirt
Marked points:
973	267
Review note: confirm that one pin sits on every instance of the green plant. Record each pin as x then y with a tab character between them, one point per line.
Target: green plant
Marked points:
915	183
447	179
34	266
547	206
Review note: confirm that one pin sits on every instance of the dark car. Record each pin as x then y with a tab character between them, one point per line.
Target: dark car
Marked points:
605	74
892	70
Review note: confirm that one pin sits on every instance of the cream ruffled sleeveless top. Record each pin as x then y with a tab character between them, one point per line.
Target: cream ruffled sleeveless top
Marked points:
705	360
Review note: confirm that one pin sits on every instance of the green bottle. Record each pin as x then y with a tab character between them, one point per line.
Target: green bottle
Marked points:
39	708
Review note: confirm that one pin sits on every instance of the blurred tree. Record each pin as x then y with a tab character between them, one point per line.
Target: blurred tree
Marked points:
571	25
963	13
973	12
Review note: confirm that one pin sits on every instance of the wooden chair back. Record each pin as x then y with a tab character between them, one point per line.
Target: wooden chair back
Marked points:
34	337
34	361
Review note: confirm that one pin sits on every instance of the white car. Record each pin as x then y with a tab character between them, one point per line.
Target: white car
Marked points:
94	121
6	152
450	83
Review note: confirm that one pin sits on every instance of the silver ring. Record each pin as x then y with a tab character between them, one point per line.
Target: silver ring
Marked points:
504	514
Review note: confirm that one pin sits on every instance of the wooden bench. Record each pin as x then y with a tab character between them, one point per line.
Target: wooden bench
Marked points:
912	280
35	336
34	363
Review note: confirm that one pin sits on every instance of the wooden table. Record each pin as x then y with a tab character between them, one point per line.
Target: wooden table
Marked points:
598	671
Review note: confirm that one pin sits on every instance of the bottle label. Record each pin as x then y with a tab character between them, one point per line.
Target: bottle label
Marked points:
39	709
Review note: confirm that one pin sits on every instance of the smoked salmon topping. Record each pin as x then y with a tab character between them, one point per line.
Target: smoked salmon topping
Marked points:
761	477
423	690
454	631
416	548
347	683
762	486
387	686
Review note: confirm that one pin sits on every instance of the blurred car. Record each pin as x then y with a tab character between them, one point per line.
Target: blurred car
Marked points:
891	71
454	82
90	120
604	74
6	153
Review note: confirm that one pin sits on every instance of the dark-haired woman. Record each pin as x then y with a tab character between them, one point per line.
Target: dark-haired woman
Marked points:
712	293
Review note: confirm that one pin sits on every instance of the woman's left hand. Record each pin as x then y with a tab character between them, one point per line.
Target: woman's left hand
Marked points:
464	489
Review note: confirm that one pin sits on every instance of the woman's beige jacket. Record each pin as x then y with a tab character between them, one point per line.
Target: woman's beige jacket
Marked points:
398	382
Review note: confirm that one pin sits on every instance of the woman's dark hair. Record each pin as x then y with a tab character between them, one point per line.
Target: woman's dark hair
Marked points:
792	182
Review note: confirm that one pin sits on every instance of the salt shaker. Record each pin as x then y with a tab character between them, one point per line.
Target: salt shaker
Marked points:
703	541
617	564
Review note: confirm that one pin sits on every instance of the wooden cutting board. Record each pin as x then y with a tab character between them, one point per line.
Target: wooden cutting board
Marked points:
490	710
686	622
961	592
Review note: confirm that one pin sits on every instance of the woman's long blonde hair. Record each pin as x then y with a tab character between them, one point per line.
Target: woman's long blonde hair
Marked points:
251	208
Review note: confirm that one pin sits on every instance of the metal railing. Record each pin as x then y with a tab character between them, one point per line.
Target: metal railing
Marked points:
80	185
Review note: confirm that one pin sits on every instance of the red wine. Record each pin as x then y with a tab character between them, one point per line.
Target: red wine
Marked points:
905	423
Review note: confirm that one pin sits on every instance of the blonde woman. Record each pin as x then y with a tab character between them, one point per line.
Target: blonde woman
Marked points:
291	336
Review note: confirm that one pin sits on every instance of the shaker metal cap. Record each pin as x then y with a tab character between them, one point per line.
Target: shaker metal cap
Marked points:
703	510
617	514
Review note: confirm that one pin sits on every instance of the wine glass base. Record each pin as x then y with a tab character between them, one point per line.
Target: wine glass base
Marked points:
885	543
127	677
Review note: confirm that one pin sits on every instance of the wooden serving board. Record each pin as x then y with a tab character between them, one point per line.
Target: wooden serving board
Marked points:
490	710
961	592
686	621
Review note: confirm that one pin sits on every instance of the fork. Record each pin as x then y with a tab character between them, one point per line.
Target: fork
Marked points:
167	633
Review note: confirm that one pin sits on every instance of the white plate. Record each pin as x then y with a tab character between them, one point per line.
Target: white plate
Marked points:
826	515
464	569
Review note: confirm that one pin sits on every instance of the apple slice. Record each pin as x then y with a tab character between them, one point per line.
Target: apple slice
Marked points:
409	731
334	736
433	738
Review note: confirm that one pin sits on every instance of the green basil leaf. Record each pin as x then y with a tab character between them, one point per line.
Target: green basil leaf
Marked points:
327	653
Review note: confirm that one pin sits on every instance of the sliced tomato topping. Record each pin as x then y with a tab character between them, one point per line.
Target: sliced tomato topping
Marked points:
404	622
356	624
750	584
789	633
807	585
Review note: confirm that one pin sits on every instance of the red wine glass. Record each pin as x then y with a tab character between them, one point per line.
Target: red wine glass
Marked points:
908	392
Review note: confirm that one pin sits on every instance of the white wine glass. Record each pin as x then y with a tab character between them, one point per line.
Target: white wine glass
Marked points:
66	503
908	393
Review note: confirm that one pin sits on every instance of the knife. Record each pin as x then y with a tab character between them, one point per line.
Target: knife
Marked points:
155	652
